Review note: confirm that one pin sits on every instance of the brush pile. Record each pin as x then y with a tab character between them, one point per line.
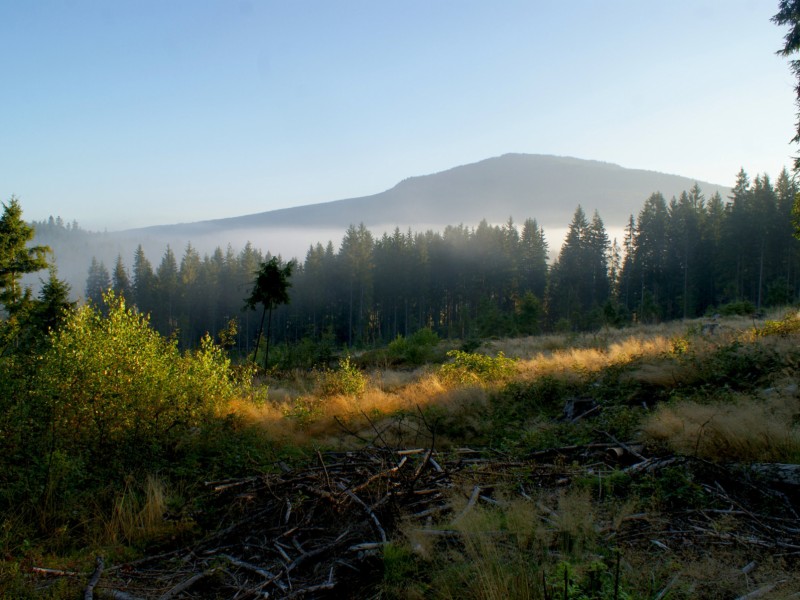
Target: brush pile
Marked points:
302	533
319	531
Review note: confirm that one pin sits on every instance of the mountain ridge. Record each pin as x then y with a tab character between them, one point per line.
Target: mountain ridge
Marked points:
491	189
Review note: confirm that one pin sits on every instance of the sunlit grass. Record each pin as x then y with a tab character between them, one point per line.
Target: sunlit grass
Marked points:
661	356
743	428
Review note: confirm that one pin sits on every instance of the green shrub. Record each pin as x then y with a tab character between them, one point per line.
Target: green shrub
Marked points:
417	349
740	307
305	354
346	379
471	368
789	324
108	397
115	383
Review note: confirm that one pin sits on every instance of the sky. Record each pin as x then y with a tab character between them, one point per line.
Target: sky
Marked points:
132	113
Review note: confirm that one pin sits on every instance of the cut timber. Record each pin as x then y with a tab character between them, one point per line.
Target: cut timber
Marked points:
783	474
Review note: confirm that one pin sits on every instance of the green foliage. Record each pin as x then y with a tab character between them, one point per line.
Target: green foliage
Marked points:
113	383
108	396
222	448
417	349
305	354
16	259
672	488
529	313
346	380
740	307
399	565
468	368
789	324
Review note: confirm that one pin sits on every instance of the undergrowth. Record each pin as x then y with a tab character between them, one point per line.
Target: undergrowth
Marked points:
727	397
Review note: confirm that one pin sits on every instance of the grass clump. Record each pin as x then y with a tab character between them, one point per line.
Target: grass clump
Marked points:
740	429
469	368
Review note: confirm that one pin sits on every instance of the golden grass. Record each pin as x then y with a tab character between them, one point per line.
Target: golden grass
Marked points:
303	418
655	356
137	514
741	429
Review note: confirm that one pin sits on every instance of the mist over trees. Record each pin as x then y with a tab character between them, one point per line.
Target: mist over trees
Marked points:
679	258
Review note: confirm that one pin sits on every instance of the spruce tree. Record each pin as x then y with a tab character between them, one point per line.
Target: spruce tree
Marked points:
16	258
97	283
120	282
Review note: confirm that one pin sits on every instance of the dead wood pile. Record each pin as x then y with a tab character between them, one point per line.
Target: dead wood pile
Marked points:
319	531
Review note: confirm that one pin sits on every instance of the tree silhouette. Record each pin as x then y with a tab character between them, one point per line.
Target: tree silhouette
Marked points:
270	289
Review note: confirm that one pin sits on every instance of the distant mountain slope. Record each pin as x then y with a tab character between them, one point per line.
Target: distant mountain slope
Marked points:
547	188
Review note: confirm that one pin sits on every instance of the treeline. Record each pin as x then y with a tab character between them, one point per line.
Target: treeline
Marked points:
678	258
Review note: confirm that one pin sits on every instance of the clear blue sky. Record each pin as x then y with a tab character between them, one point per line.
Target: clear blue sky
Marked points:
122	113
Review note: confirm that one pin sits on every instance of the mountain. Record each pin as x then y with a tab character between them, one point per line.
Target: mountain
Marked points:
547	188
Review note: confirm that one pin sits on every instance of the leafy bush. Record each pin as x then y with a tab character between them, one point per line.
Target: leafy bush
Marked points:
740	307
108	397
789	324
471	368
417	349
346	379
305	354
115	383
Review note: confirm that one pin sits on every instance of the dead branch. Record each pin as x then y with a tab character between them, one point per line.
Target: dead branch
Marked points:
88	593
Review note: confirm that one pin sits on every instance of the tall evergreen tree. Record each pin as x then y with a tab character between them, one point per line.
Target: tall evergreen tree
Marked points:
143	282
97	283
270	289
16	258
167	294
120	282
651	255
533	259
357	270
571	280
789	14
52	306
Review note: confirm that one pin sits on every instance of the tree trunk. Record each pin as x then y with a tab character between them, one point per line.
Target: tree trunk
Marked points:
269	330
258	341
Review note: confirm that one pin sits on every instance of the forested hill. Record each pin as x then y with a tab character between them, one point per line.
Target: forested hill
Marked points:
549	187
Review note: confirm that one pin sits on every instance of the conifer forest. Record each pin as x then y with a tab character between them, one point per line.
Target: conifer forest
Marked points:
679	258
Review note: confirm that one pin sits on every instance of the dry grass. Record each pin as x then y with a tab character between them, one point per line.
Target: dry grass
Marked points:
303	418
137	514
503	551
661	356
741	429
572	364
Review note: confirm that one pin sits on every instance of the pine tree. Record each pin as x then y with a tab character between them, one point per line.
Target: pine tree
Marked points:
53	304
120	282
356	255
651	246
534	255
16	258
568	277
97	283
167	298
789	14
270	289
143	282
